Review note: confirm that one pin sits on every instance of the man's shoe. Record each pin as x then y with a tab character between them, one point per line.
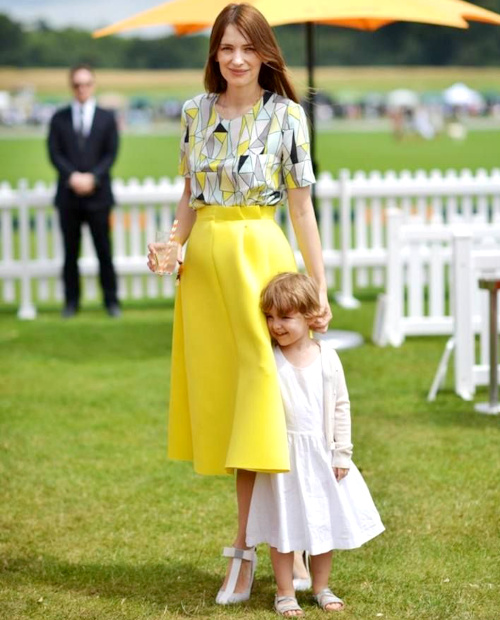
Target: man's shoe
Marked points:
69	311
114	311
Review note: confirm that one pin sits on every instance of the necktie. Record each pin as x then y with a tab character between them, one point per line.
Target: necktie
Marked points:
81	128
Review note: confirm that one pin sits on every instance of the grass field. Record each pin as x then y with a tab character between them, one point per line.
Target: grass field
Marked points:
156	155
96	524
52	83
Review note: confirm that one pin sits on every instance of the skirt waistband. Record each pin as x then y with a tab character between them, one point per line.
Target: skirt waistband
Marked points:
217	212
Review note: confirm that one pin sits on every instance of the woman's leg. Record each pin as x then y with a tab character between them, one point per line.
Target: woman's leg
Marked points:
244	488
321	566
299	568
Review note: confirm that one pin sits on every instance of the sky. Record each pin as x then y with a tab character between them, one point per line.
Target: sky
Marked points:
88	14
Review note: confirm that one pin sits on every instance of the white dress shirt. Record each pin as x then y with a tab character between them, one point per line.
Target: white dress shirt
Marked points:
88	109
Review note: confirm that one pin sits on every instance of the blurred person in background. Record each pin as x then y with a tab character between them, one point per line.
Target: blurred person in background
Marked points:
83	144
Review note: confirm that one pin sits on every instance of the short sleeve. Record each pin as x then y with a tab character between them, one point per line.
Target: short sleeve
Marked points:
184	145
296	154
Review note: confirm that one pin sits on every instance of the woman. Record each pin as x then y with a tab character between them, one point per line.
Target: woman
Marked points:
244	150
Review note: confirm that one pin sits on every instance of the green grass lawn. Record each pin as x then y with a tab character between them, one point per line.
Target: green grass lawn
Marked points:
97	524
156	155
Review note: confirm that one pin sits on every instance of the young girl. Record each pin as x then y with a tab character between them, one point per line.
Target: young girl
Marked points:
323	503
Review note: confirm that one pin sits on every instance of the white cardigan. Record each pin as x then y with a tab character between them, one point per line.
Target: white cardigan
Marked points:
337	407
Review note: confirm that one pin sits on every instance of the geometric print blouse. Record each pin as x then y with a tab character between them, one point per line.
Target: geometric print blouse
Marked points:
249	160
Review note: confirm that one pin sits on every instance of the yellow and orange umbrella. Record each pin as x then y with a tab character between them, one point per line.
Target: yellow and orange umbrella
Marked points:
187	16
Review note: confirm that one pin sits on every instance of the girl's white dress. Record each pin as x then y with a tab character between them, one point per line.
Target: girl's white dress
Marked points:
306	509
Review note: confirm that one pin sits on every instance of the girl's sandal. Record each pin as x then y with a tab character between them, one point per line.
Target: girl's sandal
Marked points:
327	597
283	605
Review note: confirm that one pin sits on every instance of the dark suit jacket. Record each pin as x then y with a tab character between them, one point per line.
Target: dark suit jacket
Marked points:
96	156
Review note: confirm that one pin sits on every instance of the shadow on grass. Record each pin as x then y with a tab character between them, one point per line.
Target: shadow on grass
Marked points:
182	587
99	340
450	410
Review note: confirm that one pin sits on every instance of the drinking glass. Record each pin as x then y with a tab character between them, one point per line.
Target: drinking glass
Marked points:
162	251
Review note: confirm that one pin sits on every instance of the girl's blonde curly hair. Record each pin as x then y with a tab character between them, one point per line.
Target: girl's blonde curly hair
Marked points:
291	292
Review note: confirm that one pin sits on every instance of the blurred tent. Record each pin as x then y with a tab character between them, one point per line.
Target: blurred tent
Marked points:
4	100
460	95
402	98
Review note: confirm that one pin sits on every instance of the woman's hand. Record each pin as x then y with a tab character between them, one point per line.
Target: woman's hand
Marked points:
185	217
320	323
340	473
152	262
173	258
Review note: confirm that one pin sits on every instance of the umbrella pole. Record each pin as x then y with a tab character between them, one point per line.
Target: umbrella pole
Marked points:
310	60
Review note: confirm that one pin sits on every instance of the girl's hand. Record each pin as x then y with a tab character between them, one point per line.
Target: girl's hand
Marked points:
340	473
320	323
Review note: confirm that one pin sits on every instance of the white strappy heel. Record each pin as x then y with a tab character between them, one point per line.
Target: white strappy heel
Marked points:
229	596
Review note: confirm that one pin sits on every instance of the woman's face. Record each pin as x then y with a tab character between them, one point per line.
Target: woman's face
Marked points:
238	60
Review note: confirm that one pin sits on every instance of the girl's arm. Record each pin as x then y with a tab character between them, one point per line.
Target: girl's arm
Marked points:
306	231
185	217
342	452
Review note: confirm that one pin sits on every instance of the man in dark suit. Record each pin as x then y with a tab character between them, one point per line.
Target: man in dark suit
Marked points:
83	143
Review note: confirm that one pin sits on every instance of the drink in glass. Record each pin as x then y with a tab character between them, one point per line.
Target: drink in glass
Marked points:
162	252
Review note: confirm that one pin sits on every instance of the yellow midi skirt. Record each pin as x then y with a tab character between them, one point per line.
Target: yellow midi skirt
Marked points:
225	408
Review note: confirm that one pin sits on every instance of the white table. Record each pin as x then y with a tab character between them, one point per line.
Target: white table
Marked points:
341	339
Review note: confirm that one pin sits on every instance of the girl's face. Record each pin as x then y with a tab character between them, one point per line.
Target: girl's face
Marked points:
292	328
238	60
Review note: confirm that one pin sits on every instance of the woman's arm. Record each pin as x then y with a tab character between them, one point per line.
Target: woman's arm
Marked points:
306	232
185	217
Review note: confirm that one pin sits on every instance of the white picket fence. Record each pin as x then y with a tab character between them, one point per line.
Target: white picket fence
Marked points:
417	299
352	212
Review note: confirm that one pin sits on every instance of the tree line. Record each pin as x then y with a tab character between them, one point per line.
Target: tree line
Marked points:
397	44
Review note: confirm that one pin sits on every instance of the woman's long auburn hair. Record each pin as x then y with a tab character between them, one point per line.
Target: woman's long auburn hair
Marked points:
254	26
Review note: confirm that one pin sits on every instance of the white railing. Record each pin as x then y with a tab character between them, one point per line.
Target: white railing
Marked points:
417	299
351	209
430	198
